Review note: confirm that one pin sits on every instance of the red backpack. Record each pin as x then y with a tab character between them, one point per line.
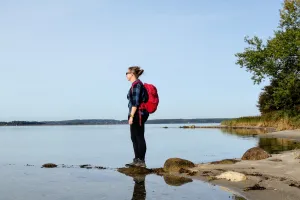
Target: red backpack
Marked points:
153	99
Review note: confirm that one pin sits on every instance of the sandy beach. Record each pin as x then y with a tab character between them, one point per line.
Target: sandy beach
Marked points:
276	178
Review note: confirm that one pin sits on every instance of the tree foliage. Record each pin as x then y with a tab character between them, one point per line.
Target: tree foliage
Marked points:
277	59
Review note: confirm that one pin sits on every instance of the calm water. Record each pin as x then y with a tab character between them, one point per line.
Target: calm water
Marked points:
33	183
110	146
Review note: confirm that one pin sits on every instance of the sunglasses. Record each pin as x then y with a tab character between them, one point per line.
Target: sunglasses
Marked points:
128	73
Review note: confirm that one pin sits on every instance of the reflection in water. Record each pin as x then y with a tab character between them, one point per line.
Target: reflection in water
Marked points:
277	145
244	132
176	180
271	145
139	190
139	174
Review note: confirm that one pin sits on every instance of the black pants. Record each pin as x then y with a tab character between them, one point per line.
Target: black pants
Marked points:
138	136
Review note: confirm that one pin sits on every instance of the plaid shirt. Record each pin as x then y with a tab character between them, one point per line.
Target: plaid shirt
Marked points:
135	96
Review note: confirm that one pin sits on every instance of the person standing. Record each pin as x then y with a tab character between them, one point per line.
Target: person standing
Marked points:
137	116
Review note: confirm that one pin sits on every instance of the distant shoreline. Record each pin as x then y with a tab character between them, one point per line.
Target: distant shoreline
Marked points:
110	122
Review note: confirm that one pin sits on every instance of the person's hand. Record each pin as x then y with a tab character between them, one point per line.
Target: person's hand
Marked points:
130	121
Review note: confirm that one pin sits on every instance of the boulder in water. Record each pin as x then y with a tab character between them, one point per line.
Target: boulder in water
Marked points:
133	171
49	165
176	164
255	153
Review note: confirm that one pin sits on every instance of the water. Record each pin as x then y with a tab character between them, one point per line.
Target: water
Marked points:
110	146
34	183
271	145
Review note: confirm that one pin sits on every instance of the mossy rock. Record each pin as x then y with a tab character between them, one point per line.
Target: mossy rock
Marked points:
175	164
133	171
158	171
225	161
86	166
176	180
255	153
49	165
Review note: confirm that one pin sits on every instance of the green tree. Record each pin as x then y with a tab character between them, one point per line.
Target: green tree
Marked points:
278	60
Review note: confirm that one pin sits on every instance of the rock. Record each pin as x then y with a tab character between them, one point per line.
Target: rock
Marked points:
255	187
295	185
137	171
192	173
232	176
188	172
276	160
182	170
192	126
133	171
175	164
49	165
158	171
255	153
86	166
176	180
226	161
100	167
207	173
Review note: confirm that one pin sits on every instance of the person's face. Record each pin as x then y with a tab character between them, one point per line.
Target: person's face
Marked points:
129	75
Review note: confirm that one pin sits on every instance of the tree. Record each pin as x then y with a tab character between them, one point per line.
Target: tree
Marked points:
278	60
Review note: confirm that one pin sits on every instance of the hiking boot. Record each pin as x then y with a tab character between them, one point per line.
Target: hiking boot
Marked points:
140	163
133	163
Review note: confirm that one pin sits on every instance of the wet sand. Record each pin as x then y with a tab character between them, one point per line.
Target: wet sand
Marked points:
279	174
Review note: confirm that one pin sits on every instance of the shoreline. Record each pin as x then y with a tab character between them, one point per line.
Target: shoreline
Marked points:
279	174
286	134
269	129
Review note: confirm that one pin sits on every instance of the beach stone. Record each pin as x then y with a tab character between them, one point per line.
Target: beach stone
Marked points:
225	161
133	171
232	176
176	164
49	165
255	153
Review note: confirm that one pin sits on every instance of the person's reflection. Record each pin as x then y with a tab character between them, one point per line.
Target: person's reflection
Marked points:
139	191
139	175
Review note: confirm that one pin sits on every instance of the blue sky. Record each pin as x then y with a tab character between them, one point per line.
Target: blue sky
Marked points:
66	59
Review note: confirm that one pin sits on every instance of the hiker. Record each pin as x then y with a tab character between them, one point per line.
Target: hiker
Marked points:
137	116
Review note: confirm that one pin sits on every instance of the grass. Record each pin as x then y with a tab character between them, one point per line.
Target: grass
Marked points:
279	120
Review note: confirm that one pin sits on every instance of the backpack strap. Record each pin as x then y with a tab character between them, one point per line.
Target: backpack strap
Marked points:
141	106
133	84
